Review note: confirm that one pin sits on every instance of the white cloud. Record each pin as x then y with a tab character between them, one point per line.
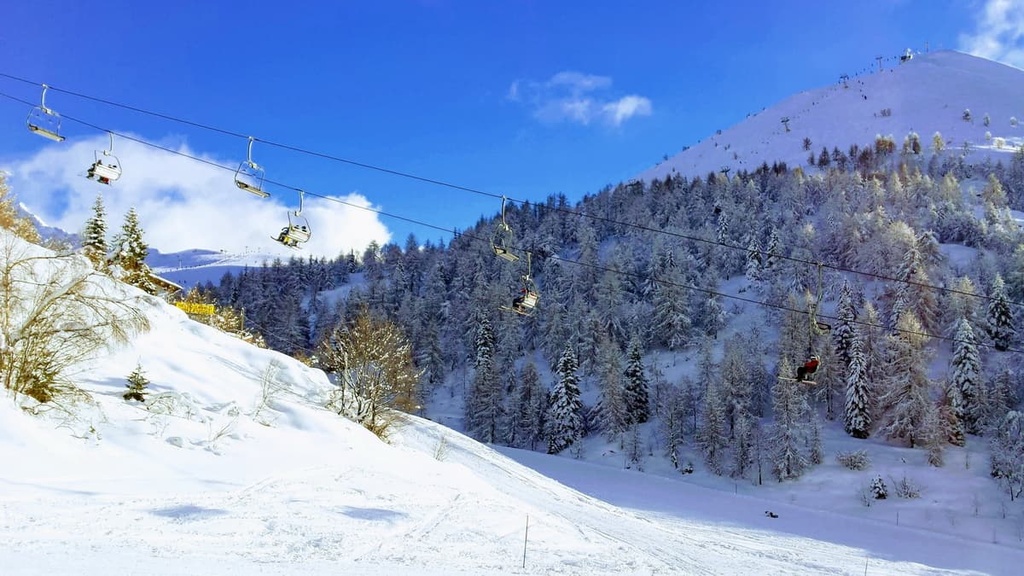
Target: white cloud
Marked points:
182	203
998	34
576	97
625	108
579	82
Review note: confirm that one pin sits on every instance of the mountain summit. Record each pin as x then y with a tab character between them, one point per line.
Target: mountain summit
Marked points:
966	99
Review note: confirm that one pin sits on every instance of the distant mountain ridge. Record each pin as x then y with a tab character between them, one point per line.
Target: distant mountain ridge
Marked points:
927	94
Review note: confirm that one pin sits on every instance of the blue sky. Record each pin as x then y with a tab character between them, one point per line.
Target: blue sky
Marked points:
521	98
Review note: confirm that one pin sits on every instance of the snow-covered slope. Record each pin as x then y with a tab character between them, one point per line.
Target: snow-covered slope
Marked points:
234	467
927	94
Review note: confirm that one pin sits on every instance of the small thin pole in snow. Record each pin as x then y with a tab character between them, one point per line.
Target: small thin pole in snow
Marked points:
865	567
526	538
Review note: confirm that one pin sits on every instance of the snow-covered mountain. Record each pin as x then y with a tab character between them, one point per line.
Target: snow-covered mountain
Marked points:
233	466
195	267
926	95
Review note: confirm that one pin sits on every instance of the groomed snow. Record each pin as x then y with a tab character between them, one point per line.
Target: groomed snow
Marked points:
212	480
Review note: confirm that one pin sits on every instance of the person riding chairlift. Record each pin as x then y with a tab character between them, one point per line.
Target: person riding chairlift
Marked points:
809	367
517	302
92	173
283	237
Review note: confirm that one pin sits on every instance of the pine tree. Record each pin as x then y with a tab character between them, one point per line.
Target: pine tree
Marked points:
565	416
484	404
968	406
743	446
672	412
614	415
129	254
529	406
857	421
951	415
999	317
1007	450
906	399
752	268
636	394
712	436
94	237
790	433
842	332
773	255
671	322
137	383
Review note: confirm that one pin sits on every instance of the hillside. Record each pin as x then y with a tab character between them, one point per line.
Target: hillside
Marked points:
926	95
234	466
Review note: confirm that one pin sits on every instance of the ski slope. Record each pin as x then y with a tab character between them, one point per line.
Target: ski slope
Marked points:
235	468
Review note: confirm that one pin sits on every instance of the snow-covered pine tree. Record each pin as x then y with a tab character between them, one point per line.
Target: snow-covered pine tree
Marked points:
842	331
906	399
671	322
773	254
1004	394
712	436
951	414
129	250
999	316
672	413
565	414
614	414
737	382
790	432
637	392
484	404
94	236
965	377
743	429
857	420
137	383
1007	449
530	403
752	267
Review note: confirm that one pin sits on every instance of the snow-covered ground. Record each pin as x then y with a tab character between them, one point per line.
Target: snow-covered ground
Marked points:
235	468
927	95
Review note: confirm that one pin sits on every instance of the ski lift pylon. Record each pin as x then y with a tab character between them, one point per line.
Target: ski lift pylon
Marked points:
249	176
106	168
44	121
503	238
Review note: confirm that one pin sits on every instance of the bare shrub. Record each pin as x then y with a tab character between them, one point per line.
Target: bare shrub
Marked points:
55	313
906	488
377	379
270	388
856	460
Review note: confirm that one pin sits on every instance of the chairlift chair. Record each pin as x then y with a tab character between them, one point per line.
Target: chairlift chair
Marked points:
503	238
44	121
526	302
249	176
297	231
106	168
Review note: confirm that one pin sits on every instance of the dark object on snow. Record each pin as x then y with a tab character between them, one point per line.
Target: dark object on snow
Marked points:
770	514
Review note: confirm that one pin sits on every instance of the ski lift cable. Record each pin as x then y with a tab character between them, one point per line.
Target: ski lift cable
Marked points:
487	240
442	183
453	186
